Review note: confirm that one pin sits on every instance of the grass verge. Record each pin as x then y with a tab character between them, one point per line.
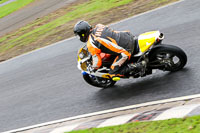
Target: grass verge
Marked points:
184	125
13	6
2	1
59	25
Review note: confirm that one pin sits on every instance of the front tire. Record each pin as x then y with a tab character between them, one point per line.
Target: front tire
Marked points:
98	82
167	57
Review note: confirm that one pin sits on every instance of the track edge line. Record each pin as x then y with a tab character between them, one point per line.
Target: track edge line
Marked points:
106	112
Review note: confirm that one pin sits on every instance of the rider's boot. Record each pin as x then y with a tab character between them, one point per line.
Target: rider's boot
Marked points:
132	67
114	73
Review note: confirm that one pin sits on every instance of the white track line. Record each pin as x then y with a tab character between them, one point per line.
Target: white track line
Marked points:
107	111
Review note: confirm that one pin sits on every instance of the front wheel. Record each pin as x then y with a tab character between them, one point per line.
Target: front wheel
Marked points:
167	57
98	81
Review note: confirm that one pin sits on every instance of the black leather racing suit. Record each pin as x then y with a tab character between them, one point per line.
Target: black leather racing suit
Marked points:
104	39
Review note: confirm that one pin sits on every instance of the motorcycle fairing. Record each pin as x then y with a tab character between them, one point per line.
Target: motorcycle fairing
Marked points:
146	40
82	57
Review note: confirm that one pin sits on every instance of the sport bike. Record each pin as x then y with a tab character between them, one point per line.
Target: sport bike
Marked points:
149	51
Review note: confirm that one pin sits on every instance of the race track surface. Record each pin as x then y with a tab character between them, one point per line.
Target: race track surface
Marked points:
46	85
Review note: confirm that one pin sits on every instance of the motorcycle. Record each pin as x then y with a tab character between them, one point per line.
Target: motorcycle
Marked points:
150	51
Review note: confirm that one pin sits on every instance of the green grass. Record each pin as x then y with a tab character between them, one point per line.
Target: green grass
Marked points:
184	125
13	6
93	7
2	1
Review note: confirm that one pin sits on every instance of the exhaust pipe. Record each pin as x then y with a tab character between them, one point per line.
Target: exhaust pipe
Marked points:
161	36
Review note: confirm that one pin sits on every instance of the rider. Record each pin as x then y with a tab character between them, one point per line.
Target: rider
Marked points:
103	39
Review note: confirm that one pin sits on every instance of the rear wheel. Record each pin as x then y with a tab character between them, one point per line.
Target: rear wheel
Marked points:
168	58
98	81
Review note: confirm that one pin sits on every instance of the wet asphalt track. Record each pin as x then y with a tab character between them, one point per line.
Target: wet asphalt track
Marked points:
45	85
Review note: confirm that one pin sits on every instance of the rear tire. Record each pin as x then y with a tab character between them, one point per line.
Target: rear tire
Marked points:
169	57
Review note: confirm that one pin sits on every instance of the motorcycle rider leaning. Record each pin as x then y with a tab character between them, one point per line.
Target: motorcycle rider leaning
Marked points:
103	39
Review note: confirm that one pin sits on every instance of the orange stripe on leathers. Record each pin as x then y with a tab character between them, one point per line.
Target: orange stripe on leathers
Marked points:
113	67
113	48
94	51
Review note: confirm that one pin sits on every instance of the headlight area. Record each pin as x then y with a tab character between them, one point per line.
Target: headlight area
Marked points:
81	55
